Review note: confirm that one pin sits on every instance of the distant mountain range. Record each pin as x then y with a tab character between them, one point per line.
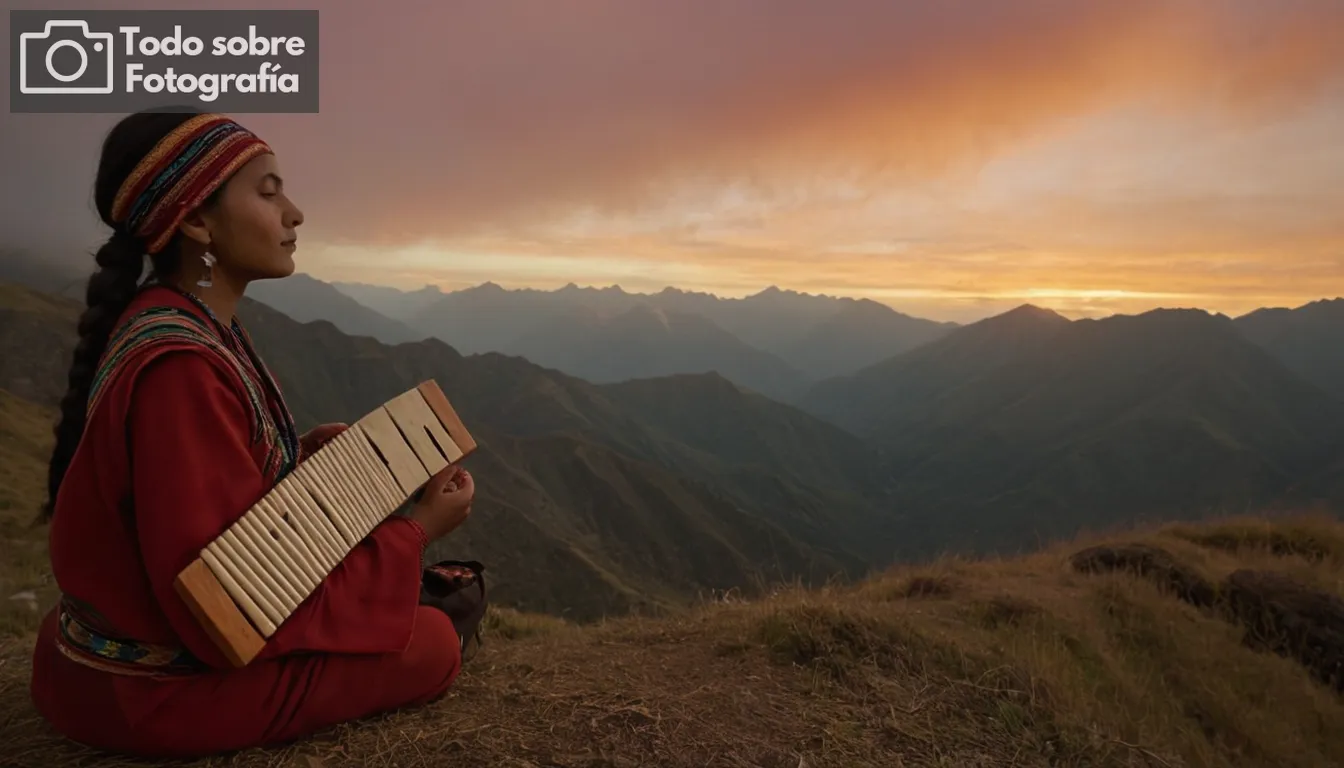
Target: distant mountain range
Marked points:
392	302
645	341
775	342
306	298
606	497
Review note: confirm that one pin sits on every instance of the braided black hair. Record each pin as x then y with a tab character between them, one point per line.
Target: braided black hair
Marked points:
121	262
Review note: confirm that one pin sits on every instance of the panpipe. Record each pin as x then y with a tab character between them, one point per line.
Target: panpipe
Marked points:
253	576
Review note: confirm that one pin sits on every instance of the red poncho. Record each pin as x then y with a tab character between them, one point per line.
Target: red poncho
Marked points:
173	453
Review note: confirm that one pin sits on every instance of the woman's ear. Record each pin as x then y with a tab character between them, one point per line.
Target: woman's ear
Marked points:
195	227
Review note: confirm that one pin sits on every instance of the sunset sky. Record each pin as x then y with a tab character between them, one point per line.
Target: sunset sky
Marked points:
951	159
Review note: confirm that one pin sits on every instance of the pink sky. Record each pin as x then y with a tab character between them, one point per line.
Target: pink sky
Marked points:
951	159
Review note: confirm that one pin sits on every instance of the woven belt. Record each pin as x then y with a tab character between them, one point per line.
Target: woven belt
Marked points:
79	641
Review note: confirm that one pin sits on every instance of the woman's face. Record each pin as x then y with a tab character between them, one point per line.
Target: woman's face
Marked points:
252	225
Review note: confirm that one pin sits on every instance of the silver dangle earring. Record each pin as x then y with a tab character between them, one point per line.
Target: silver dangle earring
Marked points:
207	279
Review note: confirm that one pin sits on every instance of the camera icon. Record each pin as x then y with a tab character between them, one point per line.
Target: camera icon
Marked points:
37	67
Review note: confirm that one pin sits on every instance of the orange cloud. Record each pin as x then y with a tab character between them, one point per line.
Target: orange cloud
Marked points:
442	119
971	151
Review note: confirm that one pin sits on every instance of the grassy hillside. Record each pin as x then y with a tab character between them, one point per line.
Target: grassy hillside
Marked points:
1027	427
25	445
711	414
832	484
1027	662
649	534
888	394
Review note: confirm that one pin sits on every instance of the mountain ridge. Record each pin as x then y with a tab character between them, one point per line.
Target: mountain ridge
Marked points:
645	342
1031	425
1309	339
816	335
306	298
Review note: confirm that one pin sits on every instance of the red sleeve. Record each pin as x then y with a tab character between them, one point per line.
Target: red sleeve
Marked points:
194	474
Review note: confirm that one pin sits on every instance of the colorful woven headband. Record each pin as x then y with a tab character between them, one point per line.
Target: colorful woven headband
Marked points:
182	170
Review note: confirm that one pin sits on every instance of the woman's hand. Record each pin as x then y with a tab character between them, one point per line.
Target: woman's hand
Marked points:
319	436
445	502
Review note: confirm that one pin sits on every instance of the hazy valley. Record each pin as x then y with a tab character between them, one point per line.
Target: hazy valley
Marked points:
636	492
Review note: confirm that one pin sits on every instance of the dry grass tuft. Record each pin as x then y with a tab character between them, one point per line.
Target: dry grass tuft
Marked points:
1313	538
1007	610
509	624
928	586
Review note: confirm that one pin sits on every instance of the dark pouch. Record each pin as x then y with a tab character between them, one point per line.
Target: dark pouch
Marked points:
457	587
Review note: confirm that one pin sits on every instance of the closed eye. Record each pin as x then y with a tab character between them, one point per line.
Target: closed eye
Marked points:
273	181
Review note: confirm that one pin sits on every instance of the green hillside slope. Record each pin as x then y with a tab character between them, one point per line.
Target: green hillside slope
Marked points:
1027	426
900	389
25	445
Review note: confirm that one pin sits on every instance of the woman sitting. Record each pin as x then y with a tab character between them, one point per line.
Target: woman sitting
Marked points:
171	429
